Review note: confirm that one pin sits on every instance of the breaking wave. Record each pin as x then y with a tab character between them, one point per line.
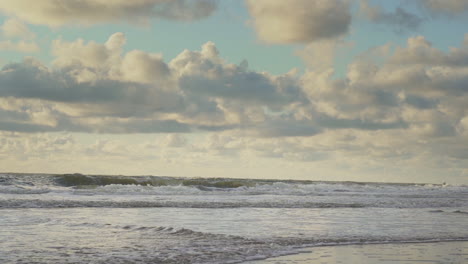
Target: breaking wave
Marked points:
78	180
38	203
78	190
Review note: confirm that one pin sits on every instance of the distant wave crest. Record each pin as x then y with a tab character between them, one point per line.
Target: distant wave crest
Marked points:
77	180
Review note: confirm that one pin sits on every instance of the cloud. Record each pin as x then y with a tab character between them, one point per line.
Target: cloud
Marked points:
419	51
21	46
101	96
320	55
185	10
299	21
35	146
14	28
400	18
228	94
139	66
415	91
92	61
96	87
88	12
430	94
446	7
174	141
17	37
359	154
204	73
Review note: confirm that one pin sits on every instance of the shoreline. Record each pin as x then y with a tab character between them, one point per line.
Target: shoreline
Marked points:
442	252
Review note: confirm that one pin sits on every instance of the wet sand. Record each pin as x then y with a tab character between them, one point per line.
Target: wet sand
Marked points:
441	252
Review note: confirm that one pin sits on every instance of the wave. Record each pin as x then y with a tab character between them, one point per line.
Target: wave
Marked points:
22	190
227	187
224	248
173	231
270	201
78	190
291	241
77	180
38	203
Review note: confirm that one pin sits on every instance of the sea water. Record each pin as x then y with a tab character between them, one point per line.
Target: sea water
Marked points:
78	218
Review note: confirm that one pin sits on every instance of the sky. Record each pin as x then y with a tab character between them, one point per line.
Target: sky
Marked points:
338	90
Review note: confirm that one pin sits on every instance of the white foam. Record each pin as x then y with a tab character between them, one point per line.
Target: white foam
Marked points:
11	189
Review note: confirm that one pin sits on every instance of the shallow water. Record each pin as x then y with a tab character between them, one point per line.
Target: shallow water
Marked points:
399	253
43	220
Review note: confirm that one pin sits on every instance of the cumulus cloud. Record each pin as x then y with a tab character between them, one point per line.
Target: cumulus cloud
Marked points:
320	55
415	92
203	73
14	28
139	66
90	61
299	21
97	87
15	36
87	12
88	105
21	46
420	51
216	90
429	86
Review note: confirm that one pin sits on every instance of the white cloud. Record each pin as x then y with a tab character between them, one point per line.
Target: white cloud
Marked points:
92	61
14	28
320	55
420	51
463	126
69	54
174	141
139	66
88	12
299	21
20	46
17	37
97	87
35	146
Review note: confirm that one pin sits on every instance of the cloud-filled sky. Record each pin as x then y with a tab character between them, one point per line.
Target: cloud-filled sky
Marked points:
353	90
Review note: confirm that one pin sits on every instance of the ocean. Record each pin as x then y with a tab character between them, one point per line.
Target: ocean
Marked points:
75	218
